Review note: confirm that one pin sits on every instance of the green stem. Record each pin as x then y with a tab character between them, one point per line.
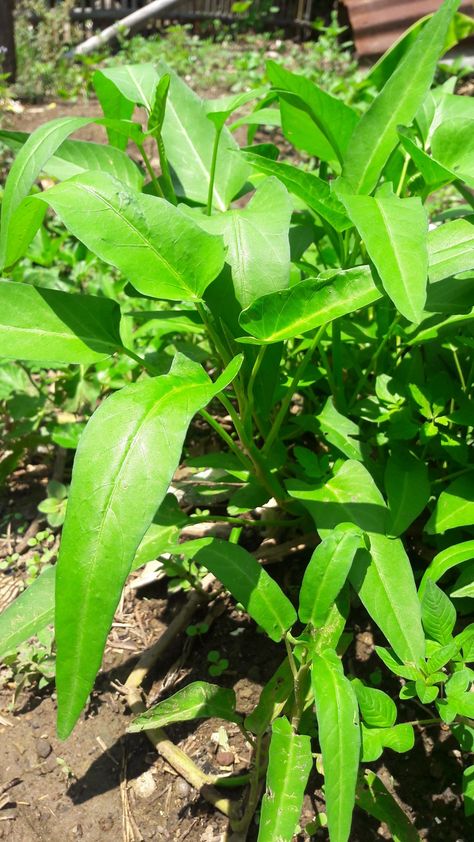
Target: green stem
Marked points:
253	377
465	193
403	174
133	356
454	475
213	335
337	364
363	380
285	404
459	369
168	188
225	437
212	175
151	172
264	476
240	521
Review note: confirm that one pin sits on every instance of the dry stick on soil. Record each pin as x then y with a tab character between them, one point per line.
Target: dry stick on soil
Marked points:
157	736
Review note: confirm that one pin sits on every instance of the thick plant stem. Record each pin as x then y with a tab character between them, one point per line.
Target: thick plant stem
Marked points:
225	437
285	404
264	476
180	761
363	380
212	175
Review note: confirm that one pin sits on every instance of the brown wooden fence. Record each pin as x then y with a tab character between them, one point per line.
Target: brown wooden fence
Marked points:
102	12
376	24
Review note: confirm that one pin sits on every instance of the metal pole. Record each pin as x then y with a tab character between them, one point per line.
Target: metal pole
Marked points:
140	16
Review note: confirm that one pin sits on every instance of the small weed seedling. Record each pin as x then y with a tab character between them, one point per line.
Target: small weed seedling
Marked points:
322	330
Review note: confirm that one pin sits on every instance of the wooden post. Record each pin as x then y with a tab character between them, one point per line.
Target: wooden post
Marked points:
7	40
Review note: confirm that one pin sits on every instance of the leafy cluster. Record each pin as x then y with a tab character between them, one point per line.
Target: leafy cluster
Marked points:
333	315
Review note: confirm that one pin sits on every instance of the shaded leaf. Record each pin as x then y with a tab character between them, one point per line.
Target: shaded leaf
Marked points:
46	325
408	490
438	613
198	700
29	613
250	585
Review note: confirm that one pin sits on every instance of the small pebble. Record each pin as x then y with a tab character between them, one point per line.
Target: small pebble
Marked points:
144	786
225	758
77	831
43	748
182	788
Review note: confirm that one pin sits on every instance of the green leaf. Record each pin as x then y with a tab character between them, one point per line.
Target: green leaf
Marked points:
375	136
272	699
351	496
158	248
442	656
432	172
17	225
468	790
452	145
400	738
289	764
133	441
450	249
198	700
438	613
29	613
454	508
340	431
408	490
383	578
134	84
461	26
46	325
312	119
250	585
384	582
257	241
467	590
339	736
188	135
373	797
77	156
325	575
156	541
395	234
114	104
395	666
306	185
309	304
377	708
445	560
157	115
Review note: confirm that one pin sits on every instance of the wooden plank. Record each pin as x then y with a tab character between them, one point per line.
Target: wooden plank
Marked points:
376	24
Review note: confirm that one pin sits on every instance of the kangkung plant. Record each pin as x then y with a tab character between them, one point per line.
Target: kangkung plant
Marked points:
332	309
